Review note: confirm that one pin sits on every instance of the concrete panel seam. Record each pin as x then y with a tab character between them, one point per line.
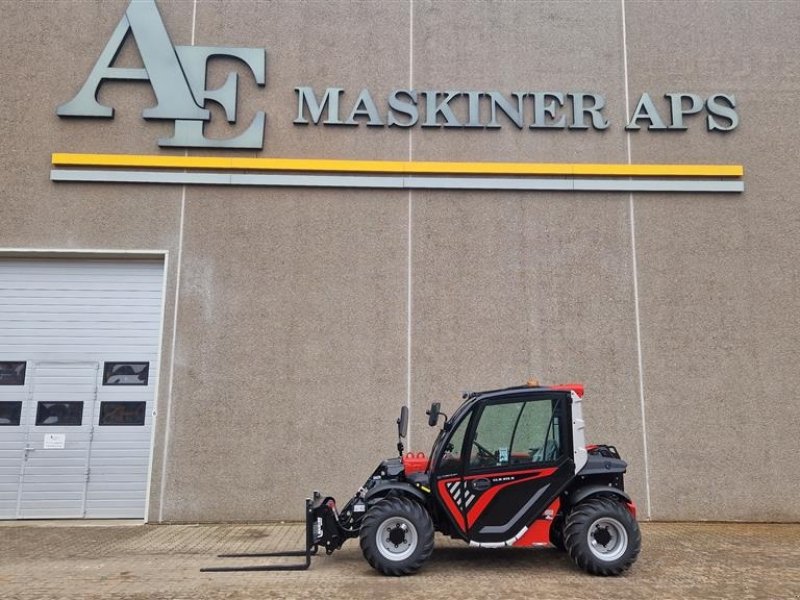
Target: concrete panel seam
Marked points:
409	310
173	345
635	269
168	415
194	21
156	395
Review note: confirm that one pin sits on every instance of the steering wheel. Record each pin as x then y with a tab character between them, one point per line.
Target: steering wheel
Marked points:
483	452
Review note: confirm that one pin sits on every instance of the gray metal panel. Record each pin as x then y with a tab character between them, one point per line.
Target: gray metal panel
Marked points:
60	315
404	182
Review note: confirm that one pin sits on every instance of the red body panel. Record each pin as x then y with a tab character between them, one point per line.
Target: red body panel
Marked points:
569	387
415	463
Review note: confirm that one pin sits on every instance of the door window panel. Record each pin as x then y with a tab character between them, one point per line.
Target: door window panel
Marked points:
59	413
122	413
10	413
12	373
451	457
126	373
538	437
516	433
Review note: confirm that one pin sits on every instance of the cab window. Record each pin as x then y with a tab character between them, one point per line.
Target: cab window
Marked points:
450	462
517	434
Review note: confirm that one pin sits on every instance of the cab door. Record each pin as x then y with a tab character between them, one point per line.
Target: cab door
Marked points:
518	459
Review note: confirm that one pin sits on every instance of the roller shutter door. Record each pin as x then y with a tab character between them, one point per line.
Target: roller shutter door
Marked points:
79	362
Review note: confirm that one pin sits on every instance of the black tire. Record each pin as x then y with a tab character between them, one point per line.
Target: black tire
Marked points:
602	537
396	536
557	533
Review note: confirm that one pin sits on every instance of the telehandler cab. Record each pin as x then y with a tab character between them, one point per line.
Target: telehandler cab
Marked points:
510	467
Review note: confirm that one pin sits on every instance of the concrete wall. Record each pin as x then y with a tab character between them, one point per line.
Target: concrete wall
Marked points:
298	310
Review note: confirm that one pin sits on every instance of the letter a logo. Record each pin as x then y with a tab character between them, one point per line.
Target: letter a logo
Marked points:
177	75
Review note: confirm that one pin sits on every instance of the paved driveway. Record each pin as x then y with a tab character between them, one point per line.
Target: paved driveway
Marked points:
681	561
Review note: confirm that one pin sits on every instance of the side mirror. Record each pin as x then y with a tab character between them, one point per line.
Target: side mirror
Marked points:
433	414
402	422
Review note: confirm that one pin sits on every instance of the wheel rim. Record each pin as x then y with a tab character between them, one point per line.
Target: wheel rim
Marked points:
396	538
607	539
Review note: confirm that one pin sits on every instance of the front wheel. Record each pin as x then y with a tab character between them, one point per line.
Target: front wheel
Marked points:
396	536
602	537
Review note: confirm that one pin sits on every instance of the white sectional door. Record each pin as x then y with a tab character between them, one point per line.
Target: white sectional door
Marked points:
79	358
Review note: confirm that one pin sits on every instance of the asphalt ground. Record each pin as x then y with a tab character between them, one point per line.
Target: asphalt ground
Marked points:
122	561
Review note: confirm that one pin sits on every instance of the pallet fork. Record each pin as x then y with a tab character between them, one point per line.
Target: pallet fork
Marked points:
310	550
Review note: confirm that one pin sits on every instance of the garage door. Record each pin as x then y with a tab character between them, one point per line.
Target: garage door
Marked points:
79	355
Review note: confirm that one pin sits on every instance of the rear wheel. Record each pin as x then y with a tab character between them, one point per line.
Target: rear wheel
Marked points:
396	536
602	537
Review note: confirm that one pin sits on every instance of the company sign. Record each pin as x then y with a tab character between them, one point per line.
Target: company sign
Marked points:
532	110
177	76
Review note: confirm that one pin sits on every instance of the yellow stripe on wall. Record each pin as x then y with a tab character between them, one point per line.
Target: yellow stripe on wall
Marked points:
390	166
